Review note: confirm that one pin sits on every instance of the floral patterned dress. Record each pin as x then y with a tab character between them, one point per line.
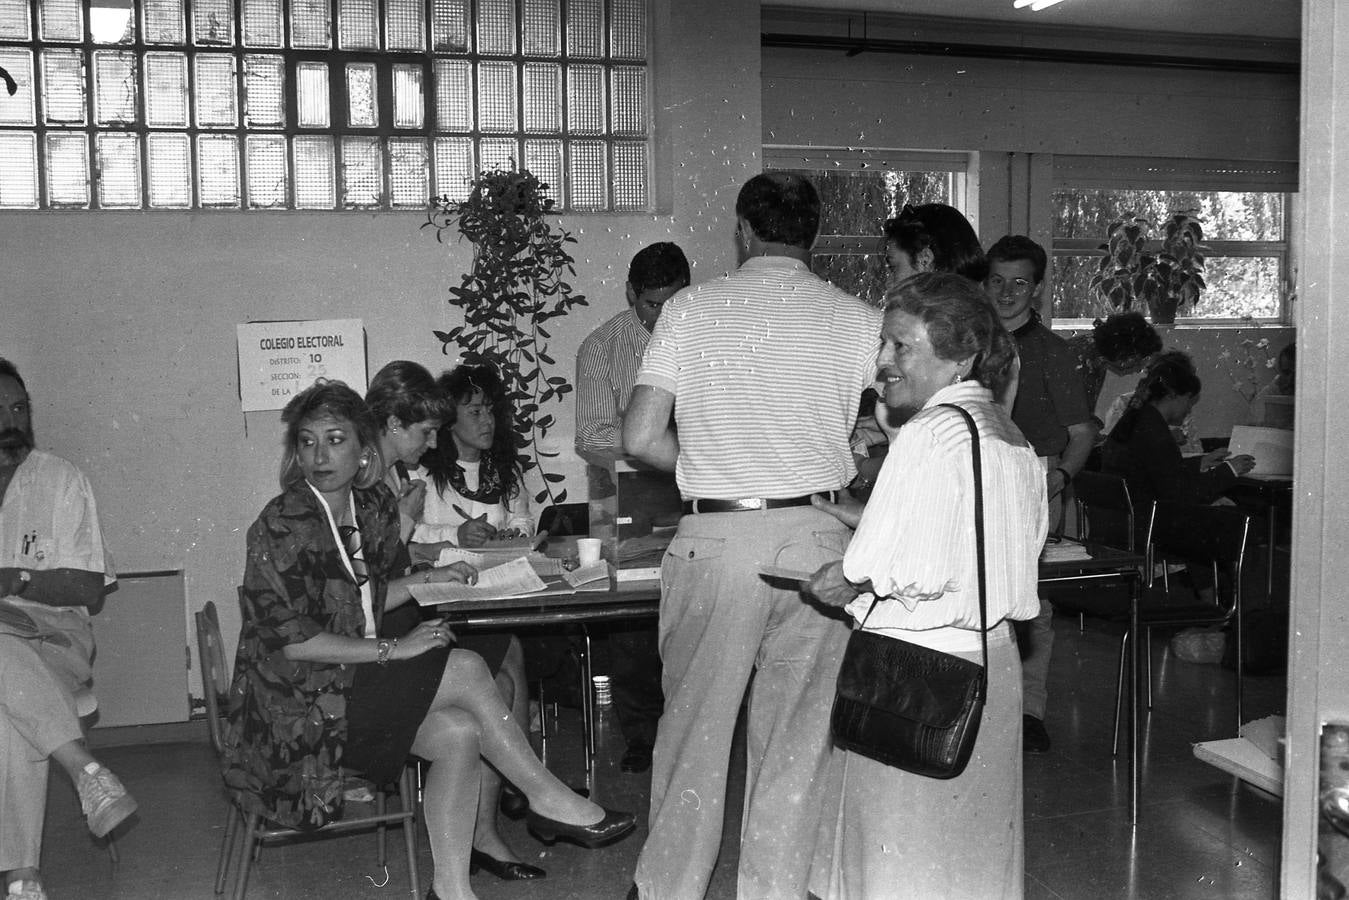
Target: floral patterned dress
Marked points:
288	719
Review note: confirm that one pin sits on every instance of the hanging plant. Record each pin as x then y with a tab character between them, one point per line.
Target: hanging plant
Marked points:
514	287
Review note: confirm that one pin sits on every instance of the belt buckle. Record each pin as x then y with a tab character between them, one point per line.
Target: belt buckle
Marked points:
750	503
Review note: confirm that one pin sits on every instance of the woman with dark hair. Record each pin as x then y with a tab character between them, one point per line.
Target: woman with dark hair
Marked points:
321	692
910	572
1117	346
932	237
1142	449
478	489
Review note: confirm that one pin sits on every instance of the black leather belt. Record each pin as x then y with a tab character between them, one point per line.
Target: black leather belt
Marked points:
746	504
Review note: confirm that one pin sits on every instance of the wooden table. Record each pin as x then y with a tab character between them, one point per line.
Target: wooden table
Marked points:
559	605
1272	498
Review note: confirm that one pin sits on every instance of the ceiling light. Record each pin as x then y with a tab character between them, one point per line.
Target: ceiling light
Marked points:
108	20
1035	5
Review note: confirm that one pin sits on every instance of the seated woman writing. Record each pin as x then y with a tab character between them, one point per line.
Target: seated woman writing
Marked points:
911	573
1142	448
318	695
477	489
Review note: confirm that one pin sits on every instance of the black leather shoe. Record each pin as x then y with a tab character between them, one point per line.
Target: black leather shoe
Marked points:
506	871
637	759
613	827
1034	737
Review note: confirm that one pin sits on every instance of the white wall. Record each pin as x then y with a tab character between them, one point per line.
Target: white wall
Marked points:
123	323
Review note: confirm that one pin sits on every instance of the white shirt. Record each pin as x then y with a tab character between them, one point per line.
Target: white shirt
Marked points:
767	365
441	521
606	369
915	543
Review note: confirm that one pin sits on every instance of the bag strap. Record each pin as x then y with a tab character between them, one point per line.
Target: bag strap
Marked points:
978	527
978	534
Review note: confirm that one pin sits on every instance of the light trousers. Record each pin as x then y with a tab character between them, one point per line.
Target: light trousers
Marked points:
1039	631
37	715
720	621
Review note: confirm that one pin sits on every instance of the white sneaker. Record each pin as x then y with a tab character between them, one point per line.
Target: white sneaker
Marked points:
105	802
27	889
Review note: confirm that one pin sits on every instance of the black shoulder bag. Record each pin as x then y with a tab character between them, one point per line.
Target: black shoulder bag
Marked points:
909	706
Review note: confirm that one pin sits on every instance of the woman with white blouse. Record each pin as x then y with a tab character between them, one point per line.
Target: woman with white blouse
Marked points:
886	833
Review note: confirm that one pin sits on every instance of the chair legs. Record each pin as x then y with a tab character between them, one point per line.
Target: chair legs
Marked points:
246	847
1119	693
222	867
410	834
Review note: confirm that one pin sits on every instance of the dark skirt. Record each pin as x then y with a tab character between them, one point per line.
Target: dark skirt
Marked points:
388	703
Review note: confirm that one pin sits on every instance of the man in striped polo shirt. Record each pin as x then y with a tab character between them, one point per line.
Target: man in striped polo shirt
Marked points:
606	368
762	369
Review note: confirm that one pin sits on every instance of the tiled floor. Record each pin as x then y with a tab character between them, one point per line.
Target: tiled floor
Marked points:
1200	834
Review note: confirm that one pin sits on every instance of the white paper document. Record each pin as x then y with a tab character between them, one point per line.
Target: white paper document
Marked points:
1271	447
507	580
1064	551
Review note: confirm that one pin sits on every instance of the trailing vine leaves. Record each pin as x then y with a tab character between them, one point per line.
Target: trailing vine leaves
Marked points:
517	283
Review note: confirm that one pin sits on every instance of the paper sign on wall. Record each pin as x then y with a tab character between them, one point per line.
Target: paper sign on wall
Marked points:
278	360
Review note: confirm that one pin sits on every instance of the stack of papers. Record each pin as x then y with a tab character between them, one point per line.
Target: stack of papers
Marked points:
489	557
1271	447
1064	551
507	580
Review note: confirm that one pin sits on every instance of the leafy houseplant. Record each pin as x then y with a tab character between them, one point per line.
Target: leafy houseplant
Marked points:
514	287
1164	282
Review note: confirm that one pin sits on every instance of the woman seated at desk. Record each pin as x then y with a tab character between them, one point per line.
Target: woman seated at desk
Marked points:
1143	450
409	407
318	695
477	488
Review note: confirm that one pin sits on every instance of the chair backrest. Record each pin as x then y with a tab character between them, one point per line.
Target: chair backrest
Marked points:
215	678
1210	535
1104	507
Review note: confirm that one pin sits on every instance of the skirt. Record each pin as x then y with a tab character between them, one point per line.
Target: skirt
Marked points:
886	834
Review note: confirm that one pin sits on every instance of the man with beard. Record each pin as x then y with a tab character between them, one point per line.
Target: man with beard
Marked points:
53	568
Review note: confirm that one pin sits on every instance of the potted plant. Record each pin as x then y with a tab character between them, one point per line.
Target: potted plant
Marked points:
515	285
1164	282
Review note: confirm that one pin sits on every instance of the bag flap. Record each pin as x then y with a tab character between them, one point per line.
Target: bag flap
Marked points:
907	680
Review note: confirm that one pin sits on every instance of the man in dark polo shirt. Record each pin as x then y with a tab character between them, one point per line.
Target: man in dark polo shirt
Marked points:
1052	412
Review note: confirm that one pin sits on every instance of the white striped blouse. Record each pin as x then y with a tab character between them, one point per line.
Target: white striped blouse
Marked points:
766	365
606	368
915	543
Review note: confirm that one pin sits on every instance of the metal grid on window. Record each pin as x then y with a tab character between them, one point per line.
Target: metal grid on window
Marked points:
316	104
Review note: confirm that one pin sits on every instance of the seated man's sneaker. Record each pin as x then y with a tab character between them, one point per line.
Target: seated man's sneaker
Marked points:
105	802
1034	737
27	889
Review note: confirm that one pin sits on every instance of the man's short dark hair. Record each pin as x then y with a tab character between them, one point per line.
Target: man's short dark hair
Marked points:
1015	248
781	207
7	368
657	266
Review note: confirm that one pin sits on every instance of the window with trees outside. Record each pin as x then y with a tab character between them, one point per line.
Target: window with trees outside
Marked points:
1243	210
321	104
859	189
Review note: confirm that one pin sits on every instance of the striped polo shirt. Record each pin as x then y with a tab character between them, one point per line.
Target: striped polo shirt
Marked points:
606	368
766	365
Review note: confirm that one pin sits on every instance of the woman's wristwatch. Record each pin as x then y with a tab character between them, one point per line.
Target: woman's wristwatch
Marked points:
383	648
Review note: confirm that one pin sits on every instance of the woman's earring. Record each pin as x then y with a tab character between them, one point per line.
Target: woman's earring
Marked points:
365	461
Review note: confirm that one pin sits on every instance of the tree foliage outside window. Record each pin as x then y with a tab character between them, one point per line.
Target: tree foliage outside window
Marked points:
1245	229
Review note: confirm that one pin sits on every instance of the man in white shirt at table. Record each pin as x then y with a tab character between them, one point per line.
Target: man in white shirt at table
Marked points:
53	567
762	368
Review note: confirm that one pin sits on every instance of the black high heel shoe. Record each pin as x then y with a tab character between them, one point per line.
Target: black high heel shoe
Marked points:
613	827
506	871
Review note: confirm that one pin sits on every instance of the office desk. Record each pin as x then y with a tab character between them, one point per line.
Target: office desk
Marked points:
558	605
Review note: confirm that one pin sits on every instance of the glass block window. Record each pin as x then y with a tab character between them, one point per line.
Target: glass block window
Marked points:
322	104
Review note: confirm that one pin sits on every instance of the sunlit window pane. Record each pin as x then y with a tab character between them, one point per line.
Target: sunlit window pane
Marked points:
587	175
362	108
216	91
585	28
454	167
264	91
67	170
119	171
542	28
312	88
114	87
18	170
315	167
163	21
409	102
585	99
454	95
496	26
213	22
629	178
358	24
544	159
60	20
627	29
14	25
262	23
166	90
18	109
405	24
169	159
409	182
362	172
543	97
449	26
63	87
267	171
1226	215
496	97
495	153
310	24
628	100
218	170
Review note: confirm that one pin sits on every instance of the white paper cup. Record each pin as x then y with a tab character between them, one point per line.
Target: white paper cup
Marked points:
588	550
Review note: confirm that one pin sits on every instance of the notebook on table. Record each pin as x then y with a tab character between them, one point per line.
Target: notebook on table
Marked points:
1271	447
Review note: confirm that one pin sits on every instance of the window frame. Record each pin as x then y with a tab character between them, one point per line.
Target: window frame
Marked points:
1177	174
336	60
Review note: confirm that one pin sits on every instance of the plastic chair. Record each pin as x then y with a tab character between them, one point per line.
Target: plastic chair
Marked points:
1105	514
256	831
